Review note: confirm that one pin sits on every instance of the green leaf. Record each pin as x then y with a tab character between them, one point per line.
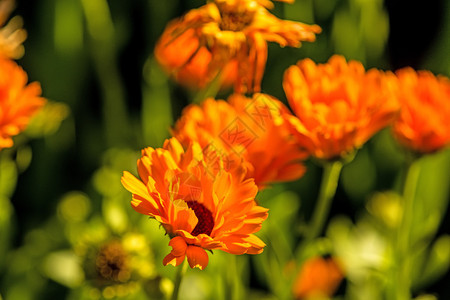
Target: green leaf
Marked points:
437	264
8	176
6	213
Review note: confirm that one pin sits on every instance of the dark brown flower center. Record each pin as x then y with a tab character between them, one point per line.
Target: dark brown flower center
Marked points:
112	262
205	219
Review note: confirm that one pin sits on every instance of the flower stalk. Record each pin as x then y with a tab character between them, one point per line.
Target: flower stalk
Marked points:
210	90
238	290
178	278
403	285
330	178
104	54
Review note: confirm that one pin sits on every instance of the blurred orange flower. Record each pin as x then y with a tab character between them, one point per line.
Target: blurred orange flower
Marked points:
318	278
227	35
12	35
338	106
188	62
247	132
199	210
18	101
423	124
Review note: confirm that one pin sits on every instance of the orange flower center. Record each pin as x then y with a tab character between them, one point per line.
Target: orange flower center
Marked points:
205	219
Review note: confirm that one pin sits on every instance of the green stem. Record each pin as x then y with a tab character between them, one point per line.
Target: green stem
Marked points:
402	283
156	112
236	279
180	273
104	53
328	186
210	91
327	191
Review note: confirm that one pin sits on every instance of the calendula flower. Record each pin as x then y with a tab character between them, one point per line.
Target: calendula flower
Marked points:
318	278
116	266
338	106
18	101
199	210
182	56
227	35
100	262
250	130
12	35
422	125
112	262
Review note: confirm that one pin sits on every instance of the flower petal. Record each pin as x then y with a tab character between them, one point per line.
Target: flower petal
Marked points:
178	245
173	260
185	218
134	185
145	206
197	257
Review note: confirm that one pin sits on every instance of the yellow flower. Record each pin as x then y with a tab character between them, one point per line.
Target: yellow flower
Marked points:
423	124
18	101
12	35
244	129
338	106
200	211
229	31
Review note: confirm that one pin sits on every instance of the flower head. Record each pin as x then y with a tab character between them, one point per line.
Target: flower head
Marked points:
12	35
18	101
244	129
188	62
198	210
423	125
319	277
225	35
338	105
112	262
114	266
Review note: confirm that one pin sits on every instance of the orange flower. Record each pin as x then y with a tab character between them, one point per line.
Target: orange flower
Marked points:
18	101
12	35
182	56
248	129
338	106
199	210
318	277
423	124
223	33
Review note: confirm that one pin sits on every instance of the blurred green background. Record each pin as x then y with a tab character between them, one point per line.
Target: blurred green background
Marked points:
94	58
